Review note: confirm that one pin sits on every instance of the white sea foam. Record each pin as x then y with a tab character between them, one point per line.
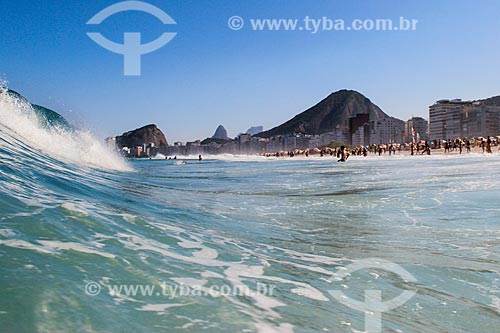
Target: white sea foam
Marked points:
159	308
21	244
235	273
51	247
495	303
74	208
55	245
7	233
77	147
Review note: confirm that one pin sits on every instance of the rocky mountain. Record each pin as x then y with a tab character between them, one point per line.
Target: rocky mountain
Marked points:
208	141
493	101
255	130
220	133
332	113
144	135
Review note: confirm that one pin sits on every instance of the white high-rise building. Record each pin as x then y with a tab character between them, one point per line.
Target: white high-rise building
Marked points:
387	130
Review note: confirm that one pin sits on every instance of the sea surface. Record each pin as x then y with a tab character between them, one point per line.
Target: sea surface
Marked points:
75	225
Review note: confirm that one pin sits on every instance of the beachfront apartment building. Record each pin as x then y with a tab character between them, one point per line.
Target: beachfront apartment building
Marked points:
451	119
481	120
359	128
364	132
386	130
416	128
360	137
439	113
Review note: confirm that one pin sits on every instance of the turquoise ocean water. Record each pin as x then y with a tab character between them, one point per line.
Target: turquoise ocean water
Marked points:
76	221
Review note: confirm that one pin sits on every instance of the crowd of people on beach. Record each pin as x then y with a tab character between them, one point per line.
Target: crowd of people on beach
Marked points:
342	153
458	144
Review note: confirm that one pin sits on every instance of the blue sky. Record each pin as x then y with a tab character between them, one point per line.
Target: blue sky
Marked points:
210	75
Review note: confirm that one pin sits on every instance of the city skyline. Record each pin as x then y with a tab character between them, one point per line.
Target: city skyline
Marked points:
210	75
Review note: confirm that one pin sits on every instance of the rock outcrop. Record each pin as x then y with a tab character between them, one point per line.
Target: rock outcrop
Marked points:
255	130
144	135
220	133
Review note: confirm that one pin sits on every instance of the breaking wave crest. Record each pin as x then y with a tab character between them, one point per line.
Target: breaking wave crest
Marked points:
27	132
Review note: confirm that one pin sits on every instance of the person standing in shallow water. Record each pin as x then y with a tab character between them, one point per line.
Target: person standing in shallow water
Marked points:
342	154
200	158
488	146
427	149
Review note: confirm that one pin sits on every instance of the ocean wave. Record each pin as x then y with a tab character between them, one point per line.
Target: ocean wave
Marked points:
27	130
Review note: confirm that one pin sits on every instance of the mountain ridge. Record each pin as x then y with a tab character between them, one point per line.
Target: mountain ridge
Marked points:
331	113
492	101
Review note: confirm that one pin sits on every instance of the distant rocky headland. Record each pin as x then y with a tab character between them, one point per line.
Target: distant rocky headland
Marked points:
149	134
141	142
